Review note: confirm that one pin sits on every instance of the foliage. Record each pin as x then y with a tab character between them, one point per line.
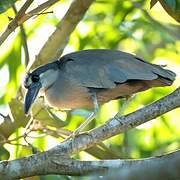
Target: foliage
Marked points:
4	5
125	25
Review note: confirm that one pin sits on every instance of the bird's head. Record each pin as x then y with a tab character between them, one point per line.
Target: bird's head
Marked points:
39	79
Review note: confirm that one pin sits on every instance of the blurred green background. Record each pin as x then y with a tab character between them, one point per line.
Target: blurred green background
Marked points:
113	24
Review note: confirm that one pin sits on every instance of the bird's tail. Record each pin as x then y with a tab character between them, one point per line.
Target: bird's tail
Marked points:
166	76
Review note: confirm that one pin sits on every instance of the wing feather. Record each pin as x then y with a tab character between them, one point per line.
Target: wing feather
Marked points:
104	68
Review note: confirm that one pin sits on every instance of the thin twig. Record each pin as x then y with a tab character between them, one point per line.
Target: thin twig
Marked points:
38	136
18	144
14	139
38	10
29	124
2	115
24	39
42	13
22	17
14	23
41	7
25	45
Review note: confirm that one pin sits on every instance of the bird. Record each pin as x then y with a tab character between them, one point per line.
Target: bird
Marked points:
89	78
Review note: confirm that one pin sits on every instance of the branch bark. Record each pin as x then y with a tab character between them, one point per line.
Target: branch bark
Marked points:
57	160
43	164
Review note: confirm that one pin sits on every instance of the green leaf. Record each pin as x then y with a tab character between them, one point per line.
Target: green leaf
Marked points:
4	153
4	5
46	116
13	61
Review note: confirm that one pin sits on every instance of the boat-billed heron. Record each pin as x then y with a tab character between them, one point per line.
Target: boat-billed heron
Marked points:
87	78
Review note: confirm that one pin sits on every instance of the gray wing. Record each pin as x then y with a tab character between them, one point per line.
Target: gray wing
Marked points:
104	68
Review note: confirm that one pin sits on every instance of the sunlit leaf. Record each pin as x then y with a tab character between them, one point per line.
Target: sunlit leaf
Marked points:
14	63
4	153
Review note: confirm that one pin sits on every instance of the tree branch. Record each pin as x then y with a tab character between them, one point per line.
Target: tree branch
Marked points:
57	161
37	10
45	163
58	40
21	17
42	7
24	38
14	23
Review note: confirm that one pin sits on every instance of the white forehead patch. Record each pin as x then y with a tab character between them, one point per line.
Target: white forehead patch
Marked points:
48	77
28	81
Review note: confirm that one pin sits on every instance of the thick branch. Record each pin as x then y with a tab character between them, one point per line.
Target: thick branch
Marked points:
58	40
56	159
45	163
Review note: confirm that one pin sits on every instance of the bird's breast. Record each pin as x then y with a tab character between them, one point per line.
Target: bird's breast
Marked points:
67	94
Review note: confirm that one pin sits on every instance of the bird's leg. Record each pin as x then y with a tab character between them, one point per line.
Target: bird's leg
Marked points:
125	104
90	118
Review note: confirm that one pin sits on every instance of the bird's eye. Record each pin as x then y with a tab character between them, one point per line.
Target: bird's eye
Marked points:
35	78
